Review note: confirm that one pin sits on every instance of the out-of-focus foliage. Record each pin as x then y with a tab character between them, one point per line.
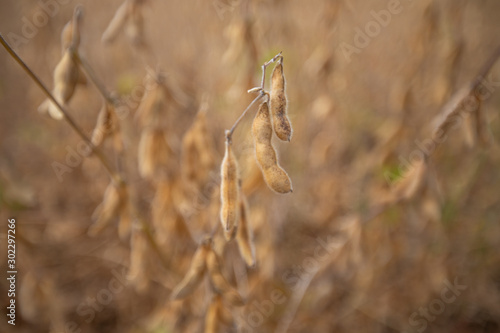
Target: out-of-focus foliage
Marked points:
372	239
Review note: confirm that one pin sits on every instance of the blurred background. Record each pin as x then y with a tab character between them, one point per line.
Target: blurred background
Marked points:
370	240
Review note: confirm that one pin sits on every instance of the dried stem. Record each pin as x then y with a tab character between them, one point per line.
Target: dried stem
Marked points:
260	90
229	133
114	175
90	73
151	240
267	64
485	69
451	110
381	208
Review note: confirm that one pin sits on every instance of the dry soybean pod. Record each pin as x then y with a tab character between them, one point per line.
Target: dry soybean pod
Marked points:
212	317
219	282
229	193
278	103
195	273
71	31
65	80
117	22
244	235
217	315
105	212
276	178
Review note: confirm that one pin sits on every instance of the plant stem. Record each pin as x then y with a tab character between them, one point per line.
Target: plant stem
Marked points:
229	133
90	73
267	64
262	92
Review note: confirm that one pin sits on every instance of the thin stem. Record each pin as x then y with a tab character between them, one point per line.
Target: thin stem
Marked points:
66	115
229	133
267	64
262	92
294	303
263	81
90	73
152	242
469	89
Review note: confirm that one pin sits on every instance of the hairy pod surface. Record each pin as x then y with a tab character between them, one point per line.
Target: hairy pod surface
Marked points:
229	193
276	178
282	126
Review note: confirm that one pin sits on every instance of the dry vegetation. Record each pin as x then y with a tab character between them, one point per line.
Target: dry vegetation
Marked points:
144	203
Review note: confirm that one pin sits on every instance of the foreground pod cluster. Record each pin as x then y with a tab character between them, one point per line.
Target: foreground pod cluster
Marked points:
234	207
185	259
265	121
234	215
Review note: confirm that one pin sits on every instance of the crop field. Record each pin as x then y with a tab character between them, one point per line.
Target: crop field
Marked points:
250	166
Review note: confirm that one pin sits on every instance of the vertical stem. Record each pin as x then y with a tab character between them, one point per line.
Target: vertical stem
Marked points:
264	67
